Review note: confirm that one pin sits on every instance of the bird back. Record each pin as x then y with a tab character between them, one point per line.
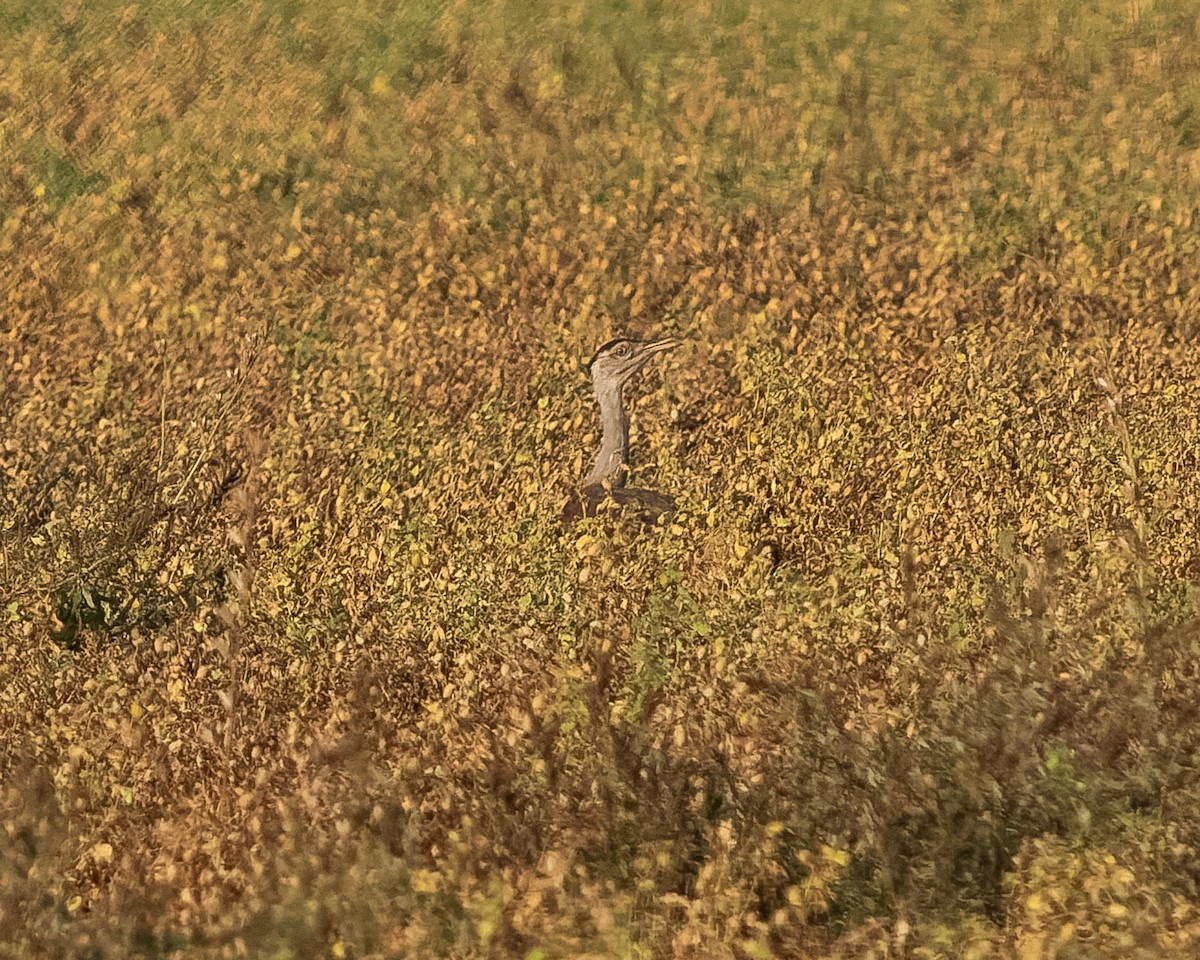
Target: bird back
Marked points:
596	499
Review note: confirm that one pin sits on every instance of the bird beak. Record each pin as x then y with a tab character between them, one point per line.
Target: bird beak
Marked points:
659	346
647	350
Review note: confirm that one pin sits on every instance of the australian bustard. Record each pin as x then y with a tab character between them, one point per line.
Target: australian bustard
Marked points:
613	366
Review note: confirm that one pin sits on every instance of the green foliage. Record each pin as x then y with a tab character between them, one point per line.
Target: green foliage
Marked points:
296	658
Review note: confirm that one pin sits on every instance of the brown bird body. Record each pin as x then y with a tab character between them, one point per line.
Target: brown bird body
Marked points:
614	365
649	505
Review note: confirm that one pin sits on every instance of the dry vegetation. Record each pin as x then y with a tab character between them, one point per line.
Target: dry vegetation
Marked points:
295	661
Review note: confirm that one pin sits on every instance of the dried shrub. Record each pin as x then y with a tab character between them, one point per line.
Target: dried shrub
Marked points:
295	658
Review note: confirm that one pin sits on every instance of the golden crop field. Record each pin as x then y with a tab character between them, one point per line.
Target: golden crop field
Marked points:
297	660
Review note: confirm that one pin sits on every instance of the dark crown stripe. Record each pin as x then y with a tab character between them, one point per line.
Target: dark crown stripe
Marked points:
605	347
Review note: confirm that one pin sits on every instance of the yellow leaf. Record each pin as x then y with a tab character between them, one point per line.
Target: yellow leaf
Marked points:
1031	949
424	881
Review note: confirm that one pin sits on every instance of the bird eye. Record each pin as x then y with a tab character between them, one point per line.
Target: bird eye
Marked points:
621	350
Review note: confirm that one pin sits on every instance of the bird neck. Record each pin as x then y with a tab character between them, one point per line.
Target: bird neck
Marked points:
611	464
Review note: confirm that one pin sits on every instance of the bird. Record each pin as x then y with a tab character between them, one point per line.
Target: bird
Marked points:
611	367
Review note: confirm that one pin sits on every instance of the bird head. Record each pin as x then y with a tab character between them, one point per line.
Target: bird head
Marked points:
618	360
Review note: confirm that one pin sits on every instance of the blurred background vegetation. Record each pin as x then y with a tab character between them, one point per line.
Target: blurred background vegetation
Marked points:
295	659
